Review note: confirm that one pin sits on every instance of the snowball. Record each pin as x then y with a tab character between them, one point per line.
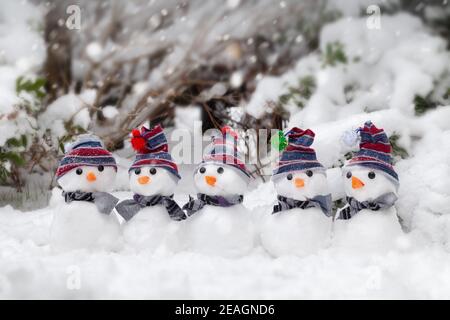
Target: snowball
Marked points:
236	79
110	112
94	50
233	3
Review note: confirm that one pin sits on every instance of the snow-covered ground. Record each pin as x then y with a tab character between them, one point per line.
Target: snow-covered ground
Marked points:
414	269
385	69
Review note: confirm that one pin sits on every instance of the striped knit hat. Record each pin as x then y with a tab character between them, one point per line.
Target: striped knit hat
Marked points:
87	150
152	150
224	151
298	156
375	151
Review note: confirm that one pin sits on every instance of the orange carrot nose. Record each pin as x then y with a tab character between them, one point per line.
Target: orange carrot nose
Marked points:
299	183
144	179
356	183
211	180
91	176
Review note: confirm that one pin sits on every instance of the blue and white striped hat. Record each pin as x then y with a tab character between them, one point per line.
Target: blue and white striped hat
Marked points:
374	151
298	156
224	151
152	150
87	150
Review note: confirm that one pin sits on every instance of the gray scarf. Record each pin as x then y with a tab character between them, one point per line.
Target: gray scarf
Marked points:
321	201
353	206
129	208
195	205
104	201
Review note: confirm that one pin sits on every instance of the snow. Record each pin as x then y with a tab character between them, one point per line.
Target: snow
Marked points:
386	68
186	117
28	265
236	79
296	232
70	107
268	89
17	35
94	51
110	112
8	97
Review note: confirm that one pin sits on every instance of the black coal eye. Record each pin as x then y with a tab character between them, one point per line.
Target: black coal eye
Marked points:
202	170
137	171
79	171
309	173
289	176
220	170
371	175
349	175
152	171
100	168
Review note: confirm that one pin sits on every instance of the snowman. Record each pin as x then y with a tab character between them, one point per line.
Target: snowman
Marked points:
369	221
300	223
218	223
152	215
85	218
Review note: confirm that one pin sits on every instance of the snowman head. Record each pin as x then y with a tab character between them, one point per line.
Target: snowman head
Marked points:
89	179
369	174
299	175
222	172
365	184
302	185
87	166
153	171
219	180
151	180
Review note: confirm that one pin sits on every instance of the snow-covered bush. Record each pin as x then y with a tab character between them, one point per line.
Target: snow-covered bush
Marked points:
22	52
117	72
396	76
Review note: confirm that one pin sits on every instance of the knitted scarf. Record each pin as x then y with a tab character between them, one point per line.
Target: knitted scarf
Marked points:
129	208
322	201
353	206
104	201
195	205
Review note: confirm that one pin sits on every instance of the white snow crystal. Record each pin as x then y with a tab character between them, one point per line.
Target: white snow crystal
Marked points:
236	79
94	50
110	112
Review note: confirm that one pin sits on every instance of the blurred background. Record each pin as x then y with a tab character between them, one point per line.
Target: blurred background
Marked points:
106	67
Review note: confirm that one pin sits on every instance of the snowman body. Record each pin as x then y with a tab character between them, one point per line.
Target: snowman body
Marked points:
368	230
79	224
221	231
298	231
214	230
152	227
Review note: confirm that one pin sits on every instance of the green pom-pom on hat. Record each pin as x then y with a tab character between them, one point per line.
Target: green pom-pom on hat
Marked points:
279	141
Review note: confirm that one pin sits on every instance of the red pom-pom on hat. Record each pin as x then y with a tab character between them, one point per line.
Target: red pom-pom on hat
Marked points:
228	130
137	141
135	133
